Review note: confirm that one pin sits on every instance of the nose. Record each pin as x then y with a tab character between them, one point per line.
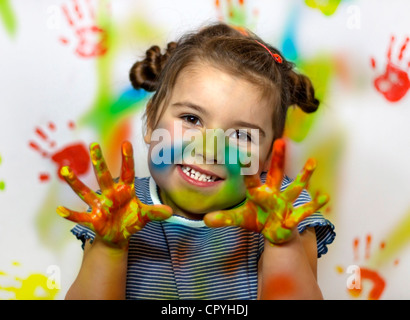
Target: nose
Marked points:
215	143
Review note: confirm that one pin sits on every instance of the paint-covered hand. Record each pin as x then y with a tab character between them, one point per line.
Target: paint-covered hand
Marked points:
267	210
116	213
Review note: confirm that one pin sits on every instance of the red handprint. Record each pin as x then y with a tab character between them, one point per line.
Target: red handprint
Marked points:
394	83
91	38
74	155
378	283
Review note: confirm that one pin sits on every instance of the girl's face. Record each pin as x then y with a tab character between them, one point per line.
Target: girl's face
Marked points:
204	98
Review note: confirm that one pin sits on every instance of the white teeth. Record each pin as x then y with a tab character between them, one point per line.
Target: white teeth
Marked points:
197	175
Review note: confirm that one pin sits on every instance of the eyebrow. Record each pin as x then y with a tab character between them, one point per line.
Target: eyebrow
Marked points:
192	106
244	124
203	111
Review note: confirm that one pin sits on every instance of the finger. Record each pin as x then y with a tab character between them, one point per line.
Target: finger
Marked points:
296	187
275	174
252	181
77	217
85	193
244	216
306	210
157	212
127	166
102	173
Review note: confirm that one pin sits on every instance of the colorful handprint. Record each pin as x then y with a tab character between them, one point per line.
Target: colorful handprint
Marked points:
267	210
116	213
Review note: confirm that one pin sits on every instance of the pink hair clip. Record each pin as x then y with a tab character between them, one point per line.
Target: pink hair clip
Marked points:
275	56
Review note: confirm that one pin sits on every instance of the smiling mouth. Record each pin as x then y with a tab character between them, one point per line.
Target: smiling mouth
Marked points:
198	175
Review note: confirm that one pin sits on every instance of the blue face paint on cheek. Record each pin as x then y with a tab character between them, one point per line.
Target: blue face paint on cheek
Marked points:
163	155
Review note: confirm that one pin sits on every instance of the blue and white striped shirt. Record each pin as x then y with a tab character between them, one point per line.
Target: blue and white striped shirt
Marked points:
184	259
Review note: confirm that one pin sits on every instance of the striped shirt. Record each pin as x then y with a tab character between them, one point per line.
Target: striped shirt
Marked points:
181	258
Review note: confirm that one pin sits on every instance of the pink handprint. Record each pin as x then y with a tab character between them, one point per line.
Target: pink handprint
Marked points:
394	83
91	38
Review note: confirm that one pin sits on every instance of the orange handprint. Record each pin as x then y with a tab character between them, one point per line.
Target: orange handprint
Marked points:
267	210
116	213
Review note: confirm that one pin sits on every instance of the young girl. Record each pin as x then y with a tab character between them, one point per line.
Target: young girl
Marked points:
197	229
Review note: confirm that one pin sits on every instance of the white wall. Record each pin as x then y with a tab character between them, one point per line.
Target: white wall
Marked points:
361	139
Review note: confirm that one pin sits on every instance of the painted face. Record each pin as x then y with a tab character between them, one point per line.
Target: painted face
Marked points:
206	100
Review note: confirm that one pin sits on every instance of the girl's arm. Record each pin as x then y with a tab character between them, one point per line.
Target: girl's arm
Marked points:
287	268
102	274
288	271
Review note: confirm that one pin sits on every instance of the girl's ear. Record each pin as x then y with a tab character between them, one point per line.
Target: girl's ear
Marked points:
147	136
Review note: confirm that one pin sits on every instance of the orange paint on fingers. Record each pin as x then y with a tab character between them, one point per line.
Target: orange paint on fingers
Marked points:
128	165
275	174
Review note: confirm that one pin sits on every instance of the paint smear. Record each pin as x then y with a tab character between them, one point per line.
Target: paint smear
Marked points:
2	183
320	70
74	155
327	7
278	287
8	17
33	287
394	83
235	13
398	239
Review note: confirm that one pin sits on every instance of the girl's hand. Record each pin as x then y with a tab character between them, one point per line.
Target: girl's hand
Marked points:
267	210
117	213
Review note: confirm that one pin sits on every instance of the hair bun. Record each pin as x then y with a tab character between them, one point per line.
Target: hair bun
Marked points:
144	74
302	93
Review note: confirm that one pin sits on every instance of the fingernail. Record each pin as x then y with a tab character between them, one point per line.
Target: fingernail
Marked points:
323	199
127	149
66	171
311	164
63	212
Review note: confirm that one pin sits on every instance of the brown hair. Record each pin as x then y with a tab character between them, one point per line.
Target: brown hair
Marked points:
235	51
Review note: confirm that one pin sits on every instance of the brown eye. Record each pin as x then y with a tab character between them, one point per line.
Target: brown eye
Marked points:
192	119
241	135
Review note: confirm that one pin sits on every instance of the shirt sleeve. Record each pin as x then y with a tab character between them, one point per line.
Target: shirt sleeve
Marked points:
325	230
83	233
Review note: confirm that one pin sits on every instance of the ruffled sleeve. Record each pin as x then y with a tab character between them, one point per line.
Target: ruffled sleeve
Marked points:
83	233
325	230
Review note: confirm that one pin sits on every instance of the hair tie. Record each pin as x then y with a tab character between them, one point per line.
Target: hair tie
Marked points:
275	56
